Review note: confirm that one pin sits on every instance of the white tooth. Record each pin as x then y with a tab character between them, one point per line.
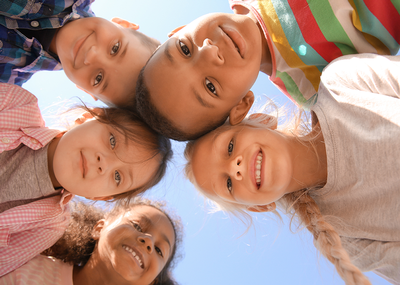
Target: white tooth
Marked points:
258	172
258	166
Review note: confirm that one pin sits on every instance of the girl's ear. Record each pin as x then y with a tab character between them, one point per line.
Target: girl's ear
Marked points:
174	31
125	23
264	119
239	112
262	208
97	229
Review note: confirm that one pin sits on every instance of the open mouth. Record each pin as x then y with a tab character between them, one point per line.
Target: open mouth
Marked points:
258	169
135	255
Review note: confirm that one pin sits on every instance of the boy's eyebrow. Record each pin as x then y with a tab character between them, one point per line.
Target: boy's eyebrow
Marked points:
167	52
201	101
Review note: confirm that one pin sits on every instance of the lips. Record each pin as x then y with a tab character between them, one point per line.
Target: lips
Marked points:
83	165
136	255
78	46
236	39
256	168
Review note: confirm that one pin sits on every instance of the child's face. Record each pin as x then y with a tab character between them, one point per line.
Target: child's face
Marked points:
136	245
102	57
94	161
226	164
197	76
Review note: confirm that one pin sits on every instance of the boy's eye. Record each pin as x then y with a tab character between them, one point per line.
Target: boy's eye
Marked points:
184	49
115	48
159	251
211	87
229	184
137	227
98	79
117	177
230	147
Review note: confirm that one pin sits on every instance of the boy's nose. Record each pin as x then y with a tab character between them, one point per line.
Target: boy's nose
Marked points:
209	52
92	56
236	168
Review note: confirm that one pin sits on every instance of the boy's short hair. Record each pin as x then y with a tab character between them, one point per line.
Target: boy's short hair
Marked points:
159	122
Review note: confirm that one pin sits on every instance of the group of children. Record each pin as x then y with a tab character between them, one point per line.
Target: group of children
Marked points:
338	177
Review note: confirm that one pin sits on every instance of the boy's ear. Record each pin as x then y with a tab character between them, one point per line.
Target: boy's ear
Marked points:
125	23
174	31
239	112
97	229
262	208
264	119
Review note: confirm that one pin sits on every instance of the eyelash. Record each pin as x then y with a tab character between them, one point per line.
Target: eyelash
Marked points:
117	175
99	77
211	87
230	147
115	48
139	229
184	49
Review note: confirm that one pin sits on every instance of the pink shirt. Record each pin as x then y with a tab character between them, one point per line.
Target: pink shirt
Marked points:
27	230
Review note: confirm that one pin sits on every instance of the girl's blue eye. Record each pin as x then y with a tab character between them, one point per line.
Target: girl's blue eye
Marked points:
117	177
115	48
230	147
159	251
113	141
184	49
98	79
229	184
211	87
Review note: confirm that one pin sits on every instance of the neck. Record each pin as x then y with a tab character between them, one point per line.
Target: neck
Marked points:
53	43
309	159
50	156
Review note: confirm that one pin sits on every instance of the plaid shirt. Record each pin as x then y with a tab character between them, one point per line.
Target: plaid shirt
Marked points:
21	57
27	230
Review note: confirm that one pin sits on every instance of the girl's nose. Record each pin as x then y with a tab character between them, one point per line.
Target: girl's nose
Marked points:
209	52
236	168
147	242
104	163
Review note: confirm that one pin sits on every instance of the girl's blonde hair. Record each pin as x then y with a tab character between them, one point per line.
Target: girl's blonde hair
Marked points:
301	206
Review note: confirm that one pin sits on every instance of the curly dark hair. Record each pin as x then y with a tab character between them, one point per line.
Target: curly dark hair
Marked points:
77	245
128	122
160	123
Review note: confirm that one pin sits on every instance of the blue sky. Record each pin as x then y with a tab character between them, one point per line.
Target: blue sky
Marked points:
216	248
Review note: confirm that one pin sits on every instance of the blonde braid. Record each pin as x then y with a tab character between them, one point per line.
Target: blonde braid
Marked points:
326	238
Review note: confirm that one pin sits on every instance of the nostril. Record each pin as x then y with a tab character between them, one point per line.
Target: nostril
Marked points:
100	168
98	158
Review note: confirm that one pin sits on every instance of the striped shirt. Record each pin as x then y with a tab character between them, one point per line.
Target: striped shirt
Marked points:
21	57
304	36
27	230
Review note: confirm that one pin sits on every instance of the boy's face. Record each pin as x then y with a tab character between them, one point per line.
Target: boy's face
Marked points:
197	76
102	57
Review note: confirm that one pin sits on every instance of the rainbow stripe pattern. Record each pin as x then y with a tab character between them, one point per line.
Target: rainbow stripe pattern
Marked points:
304	36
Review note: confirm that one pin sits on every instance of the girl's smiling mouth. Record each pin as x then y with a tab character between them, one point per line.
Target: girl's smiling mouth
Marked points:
136	255
236	39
